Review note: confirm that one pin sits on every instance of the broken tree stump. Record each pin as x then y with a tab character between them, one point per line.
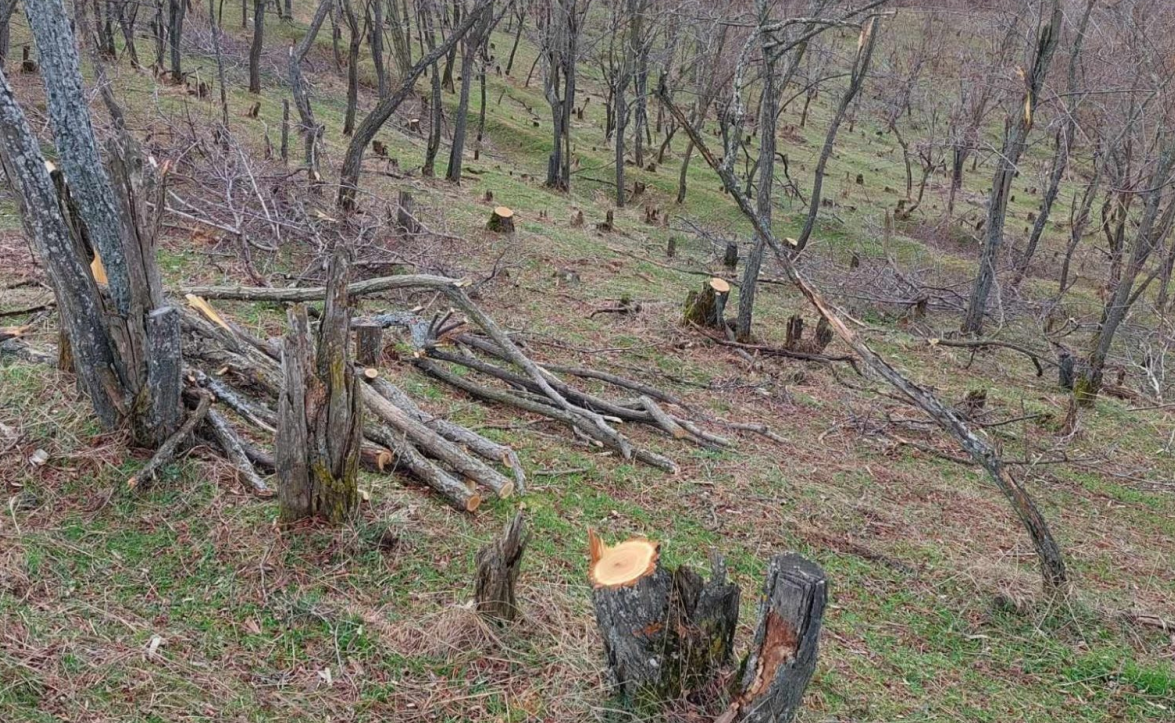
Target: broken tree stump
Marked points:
708	307
608	223
369	343
783	654
501	220
27	64
730	258
497	572
795	340
319	425
671	247
406	222
577	219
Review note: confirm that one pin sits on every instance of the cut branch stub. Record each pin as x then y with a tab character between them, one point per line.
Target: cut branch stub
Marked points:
708	307
497	572
501	220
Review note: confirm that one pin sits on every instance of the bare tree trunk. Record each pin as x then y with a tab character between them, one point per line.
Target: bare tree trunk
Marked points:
319	425
1066	137
470	46
1015	139
310	128
126	343
356	39
517	36
375	23
401	38
255	48
860	70
175	32
7	7
436	107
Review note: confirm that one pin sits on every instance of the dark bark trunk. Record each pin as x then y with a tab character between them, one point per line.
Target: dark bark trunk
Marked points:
175	33
319	430
375	22
256	47
355	41
309	129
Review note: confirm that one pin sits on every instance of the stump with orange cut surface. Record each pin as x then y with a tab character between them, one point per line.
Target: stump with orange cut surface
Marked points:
669	635
665	633
501	220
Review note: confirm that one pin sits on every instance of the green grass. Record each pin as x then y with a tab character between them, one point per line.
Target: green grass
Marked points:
934	611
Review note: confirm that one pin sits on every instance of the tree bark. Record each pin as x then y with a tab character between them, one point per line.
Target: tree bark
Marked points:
255	48
498	564
310	128
175	33
320	430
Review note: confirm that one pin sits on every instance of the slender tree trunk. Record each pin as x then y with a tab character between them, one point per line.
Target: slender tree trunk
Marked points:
255	48
517	37
356	39
310	128
1015	139
461	116
1065	140
436	107
6	10
175	32
401	38
375	22
860	71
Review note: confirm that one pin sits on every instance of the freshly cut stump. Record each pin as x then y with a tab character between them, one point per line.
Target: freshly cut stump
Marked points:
666	634
631	600
708	307
501	220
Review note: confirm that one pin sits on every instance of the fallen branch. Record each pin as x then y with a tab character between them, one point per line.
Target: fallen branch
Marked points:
167	451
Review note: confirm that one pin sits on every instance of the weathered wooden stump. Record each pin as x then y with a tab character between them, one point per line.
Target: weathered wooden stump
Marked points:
577	219
27	64
795	340
501	220
730	258
671	247
708	307
369	343
406	222
608	223
319	427
497	572
783	655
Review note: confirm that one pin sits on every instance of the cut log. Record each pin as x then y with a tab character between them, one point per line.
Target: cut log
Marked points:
456	493
783	654
497	572
369	343
707	307
234	449
501	220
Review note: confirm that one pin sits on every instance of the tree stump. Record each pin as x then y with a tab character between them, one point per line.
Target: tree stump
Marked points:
406	222
666	633
795	340
708	307
730	258
577	219
671	247
783	655
608	223
501	220
489	196
27	64
369	343
1067	367
497	572
319	428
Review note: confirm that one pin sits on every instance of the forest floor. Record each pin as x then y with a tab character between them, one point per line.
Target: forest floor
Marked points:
186	602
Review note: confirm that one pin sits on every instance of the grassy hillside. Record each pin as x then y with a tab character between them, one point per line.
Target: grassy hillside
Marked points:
935	611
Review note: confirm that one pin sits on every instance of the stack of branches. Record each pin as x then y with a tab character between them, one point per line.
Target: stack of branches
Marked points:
242	372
